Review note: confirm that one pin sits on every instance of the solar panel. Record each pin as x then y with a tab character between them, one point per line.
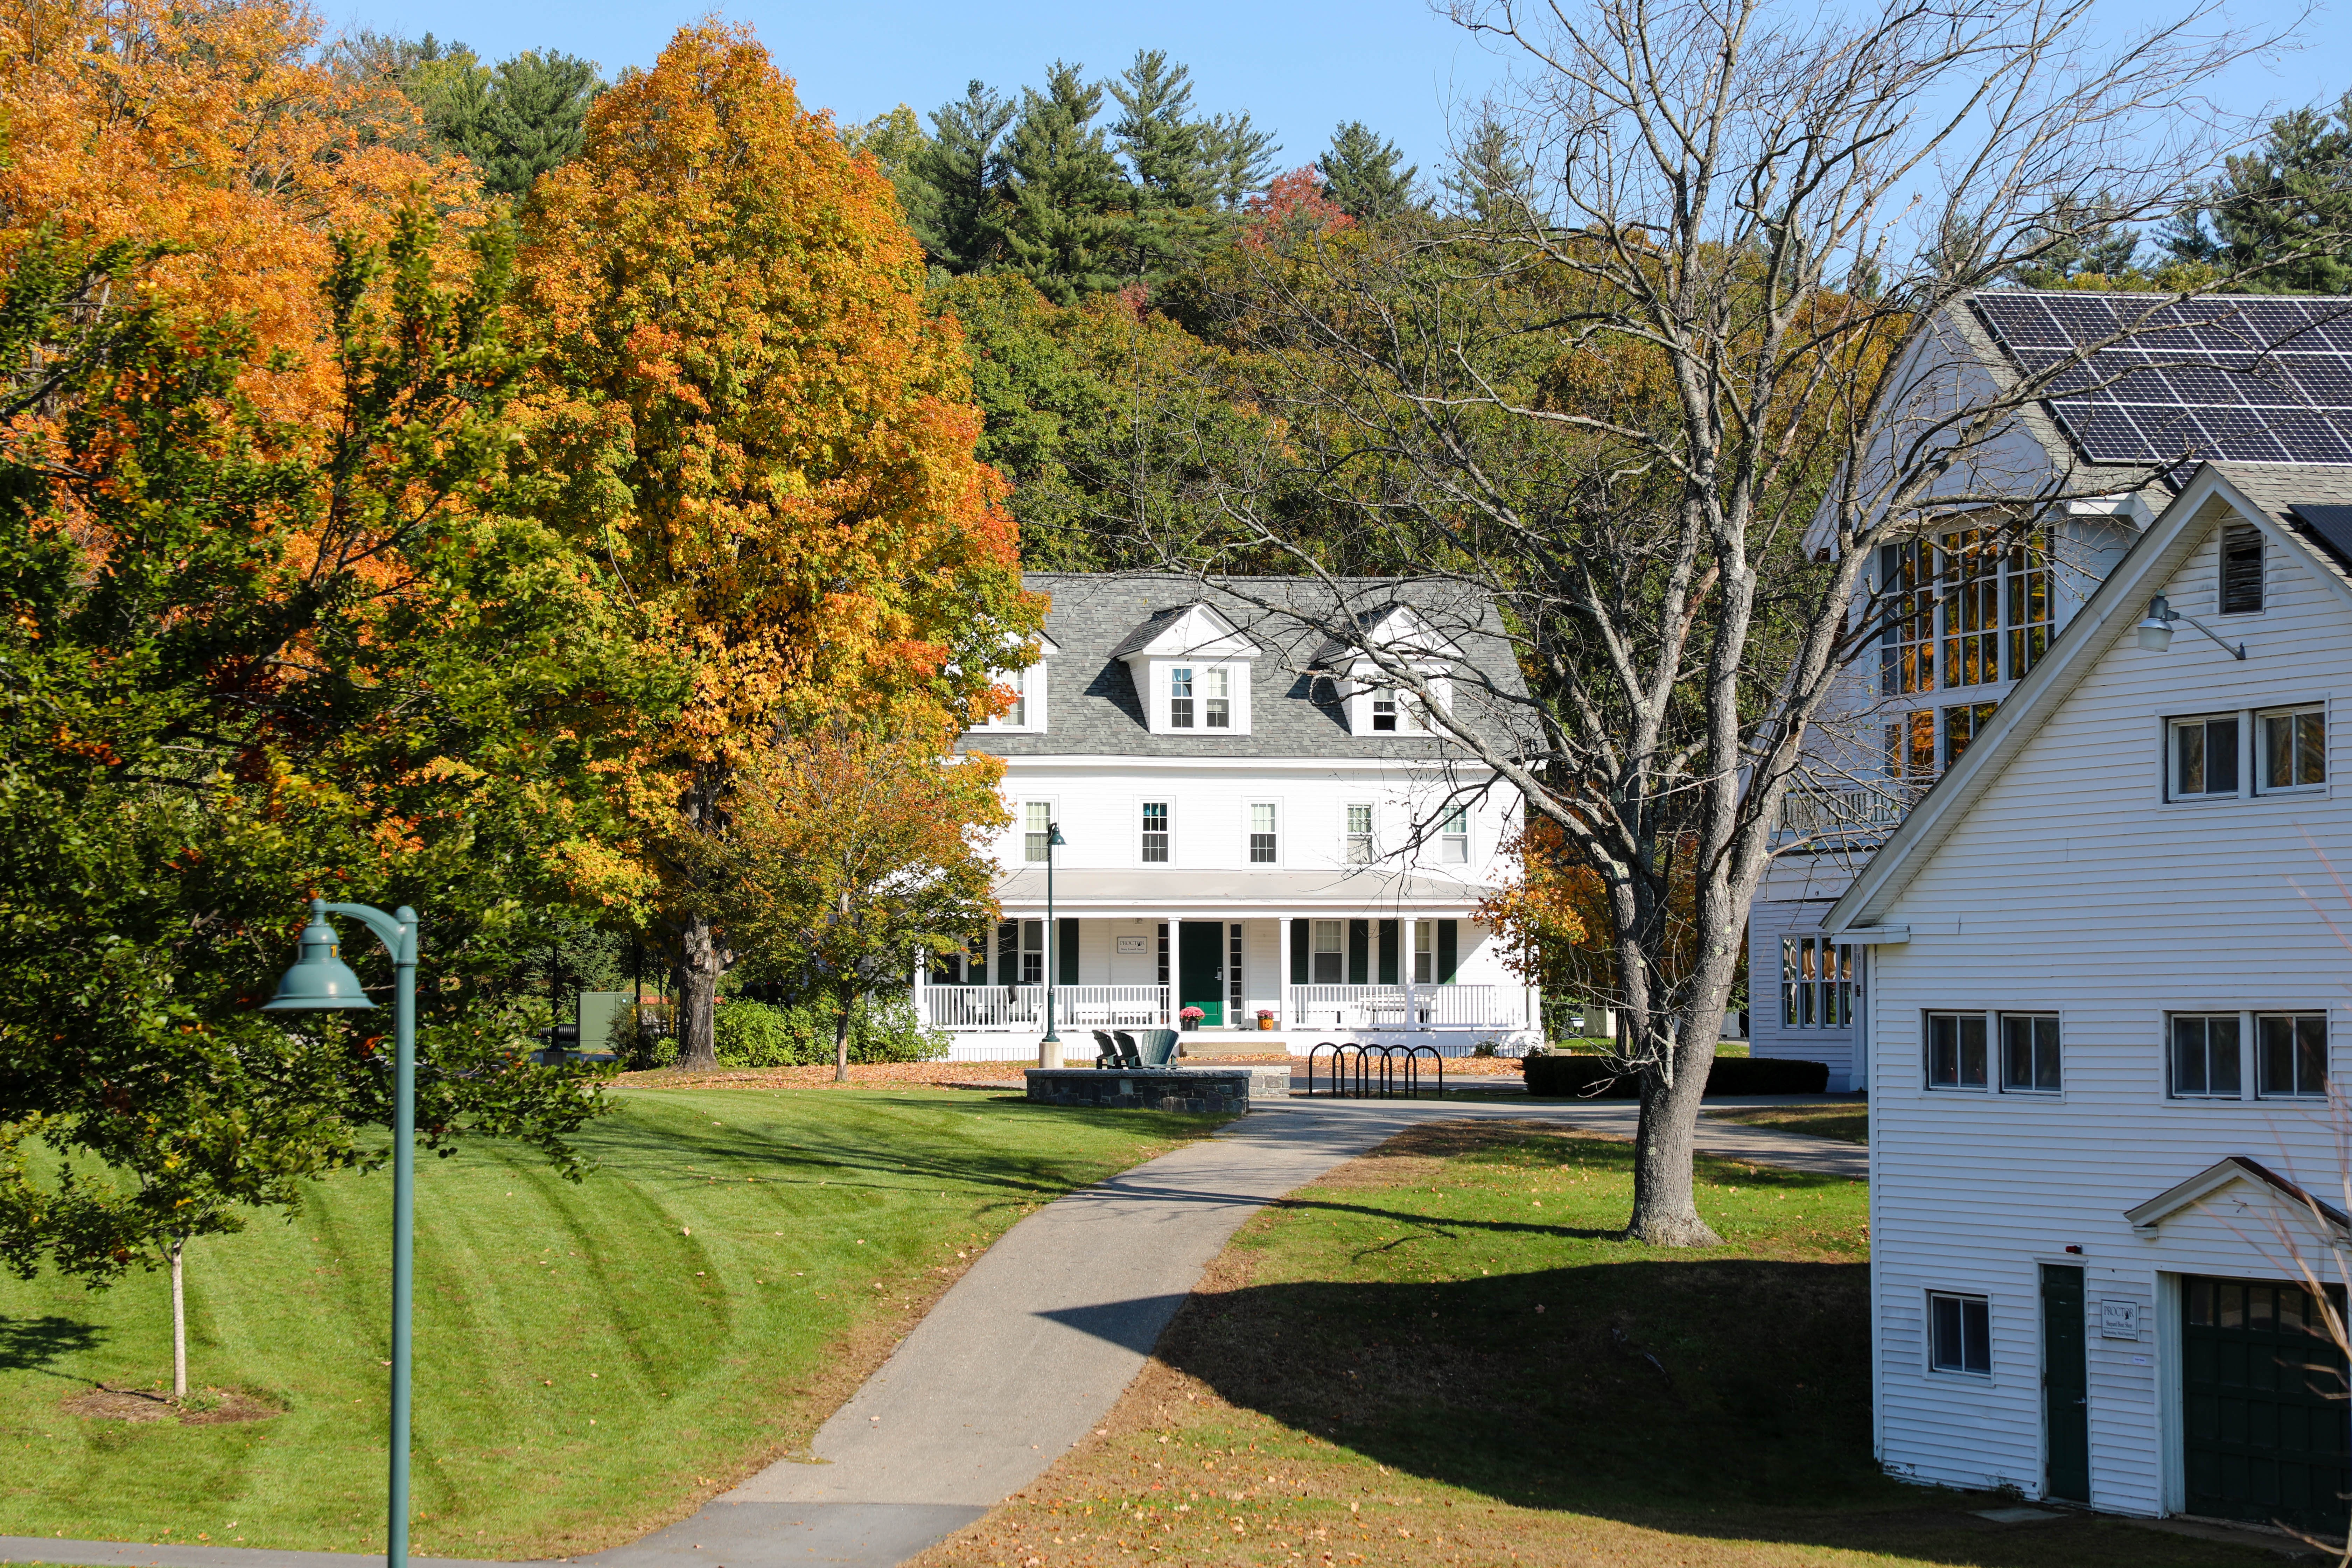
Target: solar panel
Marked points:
2248	378
2331	525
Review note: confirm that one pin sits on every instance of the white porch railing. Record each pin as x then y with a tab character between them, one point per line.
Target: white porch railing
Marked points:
1022	1008
1384	1007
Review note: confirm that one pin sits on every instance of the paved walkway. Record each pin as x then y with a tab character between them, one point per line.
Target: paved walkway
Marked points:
1027	1351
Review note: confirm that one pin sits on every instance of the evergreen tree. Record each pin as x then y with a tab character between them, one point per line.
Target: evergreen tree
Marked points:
1492	182
1166	150
1239	159
1360	174
532	118
2083	245
953	207
2286	207
1067	224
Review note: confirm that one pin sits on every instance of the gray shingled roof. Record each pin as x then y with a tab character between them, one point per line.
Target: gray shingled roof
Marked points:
1093	708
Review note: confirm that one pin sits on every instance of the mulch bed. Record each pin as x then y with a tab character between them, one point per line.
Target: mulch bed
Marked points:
217	1406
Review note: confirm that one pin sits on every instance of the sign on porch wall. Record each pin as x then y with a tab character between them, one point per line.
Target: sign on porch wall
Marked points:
2118	1320
1134	944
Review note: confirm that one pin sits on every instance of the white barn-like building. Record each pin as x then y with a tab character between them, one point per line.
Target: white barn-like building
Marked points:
1252	825
2110	991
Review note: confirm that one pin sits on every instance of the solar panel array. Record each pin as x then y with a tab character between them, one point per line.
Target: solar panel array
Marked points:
2259	378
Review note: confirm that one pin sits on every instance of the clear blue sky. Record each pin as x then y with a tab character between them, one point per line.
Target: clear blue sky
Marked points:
1298	66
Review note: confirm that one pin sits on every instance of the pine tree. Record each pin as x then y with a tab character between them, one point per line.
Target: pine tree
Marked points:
532	118
1067	225
2286	207
1239	158
1492	182
1165	150
2083	245
1360	173
951	209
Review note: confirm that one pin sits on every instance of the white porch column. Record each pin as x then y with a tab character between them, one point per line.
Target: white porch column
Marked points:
1404	966
1168	1019
1282	975
922	967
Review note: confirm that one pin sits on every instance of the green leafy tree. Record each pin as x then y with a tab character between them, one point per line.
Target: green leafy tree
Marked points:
1360	174
1066	223
953	189
244	656
2284	208
898	143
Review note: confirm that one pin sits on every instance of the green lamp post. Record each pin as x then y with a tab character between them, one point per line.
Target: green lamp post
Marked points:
1054	840
320	982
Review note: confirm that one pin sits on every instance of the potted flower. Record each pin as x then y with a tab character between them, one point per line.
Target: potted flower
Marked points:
1192	1016
1265	1018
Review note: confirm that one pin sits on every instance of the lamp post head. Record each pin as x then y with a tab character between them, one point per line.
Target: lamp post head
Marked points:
2155	633
319	981
1054	836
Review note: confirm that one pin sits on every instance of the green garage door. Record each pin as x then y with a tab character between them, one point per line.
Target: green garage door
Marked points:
2264	1397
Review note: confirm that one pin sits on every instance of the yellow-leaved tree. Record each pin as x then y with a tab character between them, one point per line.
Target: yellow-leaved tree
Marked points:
749	413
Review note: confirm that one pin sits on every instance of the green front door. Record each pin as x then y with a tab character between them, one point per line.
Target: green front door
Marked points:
1201	968
2262	1398
2065	1386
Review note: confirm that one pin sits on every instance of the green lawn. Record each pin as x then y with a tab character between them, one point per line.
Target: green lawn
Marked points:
1848	1122
591	1359
1440	1355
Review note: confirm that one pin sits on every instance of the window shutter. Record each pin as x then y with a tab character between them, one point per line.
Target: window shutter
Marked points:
1066	947
1448	954
1359	952
1008	952
1387	952
1302	934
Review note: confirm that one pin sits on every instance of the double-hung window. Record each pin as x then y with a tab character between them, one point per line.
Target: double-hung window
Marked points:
1262	844
2205	1057
1360	834
1959	1333
1385	708
1036	827
2203	754
1033	952
1454	836
2290	1054
1424	952
1956	1050
1816	984
1330	958
1155	832
1179	697
1217	698
2294	749
2029	1053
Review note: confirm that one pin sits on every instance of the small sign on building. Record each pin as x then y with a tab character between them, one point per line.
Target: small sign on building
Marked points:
2118	1320
1134	944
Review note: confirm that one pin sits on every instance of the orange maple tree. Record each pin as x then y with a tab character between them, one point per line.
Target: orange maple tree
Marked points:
753	419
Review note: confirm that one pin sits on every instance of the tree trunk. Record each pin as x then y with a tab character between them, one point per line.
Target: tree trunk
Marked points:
843	1000
700	964
1665	1211
179	1319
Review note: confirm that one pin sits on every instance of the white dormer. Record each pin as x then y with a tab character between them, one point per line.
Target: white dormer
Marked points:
1374	703
1192	668
1027	714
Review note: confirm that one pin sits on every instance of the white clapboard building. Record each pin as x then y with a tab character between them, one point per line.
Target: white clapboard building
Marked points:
1967	613
1253	824
2110	988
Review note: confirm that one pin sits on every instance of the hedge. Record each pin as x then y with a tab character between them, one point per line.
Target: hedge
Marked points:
1593	1077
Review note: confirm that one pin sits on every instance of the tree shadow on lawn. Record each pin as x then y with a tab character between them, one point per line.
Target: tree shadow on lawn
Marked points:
1721	1398
33	1344
673	1148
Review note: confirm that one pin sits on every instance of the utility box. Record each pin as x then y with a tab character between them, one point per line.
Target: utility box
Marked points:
600	1014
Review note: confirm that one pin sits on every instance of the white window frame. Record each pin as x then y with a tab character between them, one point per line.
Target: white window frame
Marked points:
1027	716
1959	1017
1424	952
1028	929
2173	725
1452	836
2032	1019
2261	721
1964	1300
2172	1090
1189	677
1273	808
1160	709
1811	1000
1034	853
2261	1053
2250	1024
1136	826
1350	840
1315	951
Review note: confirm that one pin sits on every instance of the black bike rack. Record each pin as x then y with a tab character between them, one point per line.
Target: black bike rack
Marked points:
1397	1077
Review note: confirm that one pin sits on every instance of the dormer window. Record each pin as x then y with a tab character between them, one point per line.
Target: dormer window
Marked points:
1027	685
1217	696
1180	698
1385	708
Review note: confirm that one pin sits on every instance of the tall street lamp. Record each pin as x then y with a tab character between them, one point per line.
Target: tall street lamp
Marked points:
320	982
1054	840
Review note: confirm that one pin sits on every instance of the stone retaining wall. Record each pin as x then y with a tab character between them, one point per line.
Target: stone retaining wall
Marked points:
1203	1090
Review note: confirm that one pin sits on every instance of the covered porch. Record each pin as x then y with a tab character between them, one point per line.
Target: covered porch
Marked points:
1261	980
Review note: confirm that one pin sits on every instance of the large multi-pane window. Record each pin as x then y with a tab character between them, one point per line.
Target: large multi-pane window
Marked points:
1956	1050
1262	844
1036	827
1155	831
1963	722
1966	610
1816	984
1360	835
1923	742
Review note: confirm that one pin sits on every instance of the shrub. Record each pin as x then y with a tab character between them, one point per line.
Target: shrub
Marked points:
1561	1076
881	1030
640	1048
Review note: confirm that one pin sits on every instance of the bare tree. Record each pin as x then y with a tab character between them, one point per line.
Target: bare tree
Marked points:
1663	409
